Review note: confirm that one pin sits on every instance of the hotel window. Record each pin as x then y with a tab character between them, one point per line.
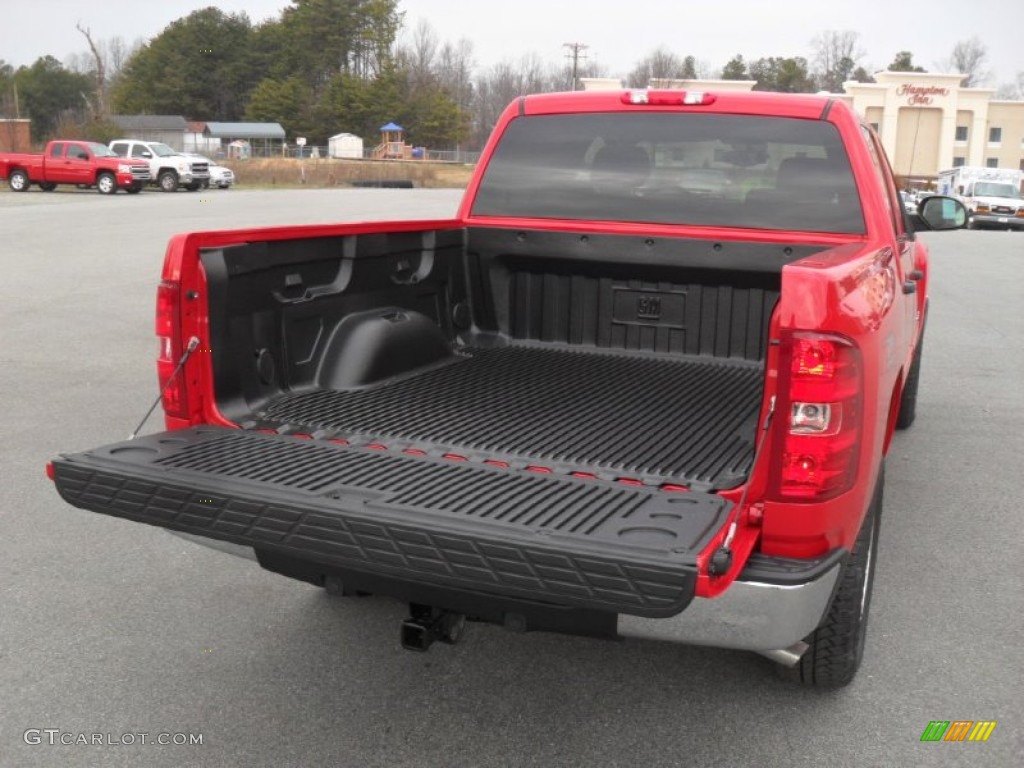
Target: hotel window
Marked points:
995	135
961	133
992	162
958	161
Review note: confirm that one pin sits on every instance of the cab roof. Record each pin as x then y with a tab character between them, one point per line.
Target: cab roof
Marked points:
797	105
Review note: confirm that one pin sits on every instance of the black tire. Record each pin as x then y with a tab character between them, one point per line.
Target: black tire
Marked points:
168	181
908	400
837	646
106	183
47	186
194	186
18	181
134	189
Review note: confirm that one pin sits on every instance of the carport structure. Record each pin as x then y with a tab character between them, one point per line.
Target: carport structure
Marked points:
265	138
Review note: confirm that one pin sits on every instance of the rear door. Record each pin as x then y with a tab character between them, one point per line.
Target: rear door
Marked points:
904	246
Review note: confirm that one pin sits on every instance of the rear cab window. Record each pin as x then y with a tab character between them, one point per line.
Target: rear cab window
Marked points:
57	149
741	171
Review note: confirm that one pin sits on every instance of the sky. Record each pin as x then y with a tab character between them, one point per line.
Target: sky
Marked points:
618	34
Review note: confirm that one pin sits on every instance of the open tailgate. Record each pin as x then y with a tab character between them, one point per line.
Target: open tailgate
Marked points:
430	520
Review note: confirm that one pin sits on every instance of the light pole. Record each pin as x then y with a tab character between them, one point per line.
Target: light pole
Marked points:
575	52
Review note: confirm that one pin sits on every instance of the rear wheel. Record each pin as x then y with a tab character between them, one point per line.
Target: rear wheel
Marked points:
134	189
18	181
47	186
194	186
837	646
168	181
106	184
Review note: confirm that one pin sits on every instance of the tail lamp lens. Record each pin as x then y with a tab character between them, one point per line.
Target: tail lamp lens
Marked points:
821	380
168	332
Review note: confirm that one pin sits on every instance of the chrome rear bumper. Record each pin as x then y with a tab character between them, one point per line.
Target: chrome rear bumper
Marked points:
751	615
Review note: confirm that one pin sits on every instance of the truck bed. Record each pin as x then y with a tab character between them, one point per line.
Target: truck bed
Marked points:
627	361
685	420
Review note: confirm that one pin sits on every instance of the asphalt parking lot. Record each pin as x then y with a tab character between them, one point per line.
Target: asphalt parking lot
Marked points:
109	627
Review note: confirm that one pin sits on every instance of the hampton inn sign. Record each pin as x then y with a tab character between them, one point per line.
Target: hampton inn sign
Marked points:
920	95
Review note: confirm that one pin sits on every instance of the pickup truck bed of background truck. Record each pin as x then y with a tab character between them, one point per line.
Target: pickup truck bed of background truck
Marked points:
82	163
642	385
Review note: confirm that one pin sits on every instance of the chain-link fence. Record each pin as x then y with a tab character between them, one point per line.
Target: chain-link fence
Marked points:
368	153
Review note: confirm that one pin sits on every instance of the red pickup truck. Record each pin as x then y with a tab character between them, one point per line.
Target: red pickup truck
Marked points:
642	385
82	163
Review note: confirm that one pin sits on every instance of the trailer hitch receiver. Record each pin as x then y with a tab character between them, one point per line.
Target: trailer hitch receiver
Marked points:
427	624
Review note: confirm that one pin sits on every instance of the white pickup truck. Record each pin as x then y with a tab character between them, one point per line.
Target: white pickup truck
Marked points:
169	168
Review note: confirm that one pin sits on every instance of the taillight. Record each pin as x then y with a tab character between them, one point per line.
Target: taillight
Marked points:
668	98
168	332
818	422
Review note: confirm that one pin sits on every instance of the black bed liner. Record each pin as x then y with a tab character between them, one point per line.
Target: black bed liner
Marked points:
686	420
557	540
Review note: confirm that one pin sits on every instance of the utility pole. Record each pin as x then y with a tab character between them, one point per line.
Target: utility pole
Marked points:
575	52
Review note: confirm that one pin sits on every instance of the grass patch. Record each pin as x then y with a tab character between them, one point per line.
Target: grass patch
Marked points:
322	172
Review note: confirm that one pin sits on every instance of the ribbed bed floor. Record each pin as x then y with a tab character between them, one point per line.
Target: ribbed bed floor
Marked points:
691	420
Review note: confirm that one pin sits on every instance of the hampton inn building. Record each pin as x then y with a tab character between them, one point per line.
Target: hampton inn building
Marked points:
927	122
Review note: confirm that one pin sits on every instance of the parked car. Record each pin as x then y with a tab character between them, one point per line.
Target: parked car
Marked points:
169	169
220	176
82	163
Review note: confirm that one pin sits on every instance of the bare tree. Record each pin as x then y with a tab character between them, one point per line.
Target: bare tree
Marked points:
661	64
969	57
118	52
100	71
504	82
455	71
420	55
1012	91
835	58
703	69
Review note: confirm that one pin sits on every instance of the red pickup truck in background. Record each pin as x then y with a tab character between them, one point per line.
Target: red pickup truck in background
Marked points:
82	163
641	385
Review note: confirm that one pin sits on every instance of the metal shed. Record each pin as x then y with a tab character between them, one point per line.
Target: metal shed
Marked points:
170	129
264	138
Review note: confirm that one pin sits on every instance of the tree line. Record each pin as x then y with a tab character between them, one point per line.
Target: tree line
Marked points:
328	66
